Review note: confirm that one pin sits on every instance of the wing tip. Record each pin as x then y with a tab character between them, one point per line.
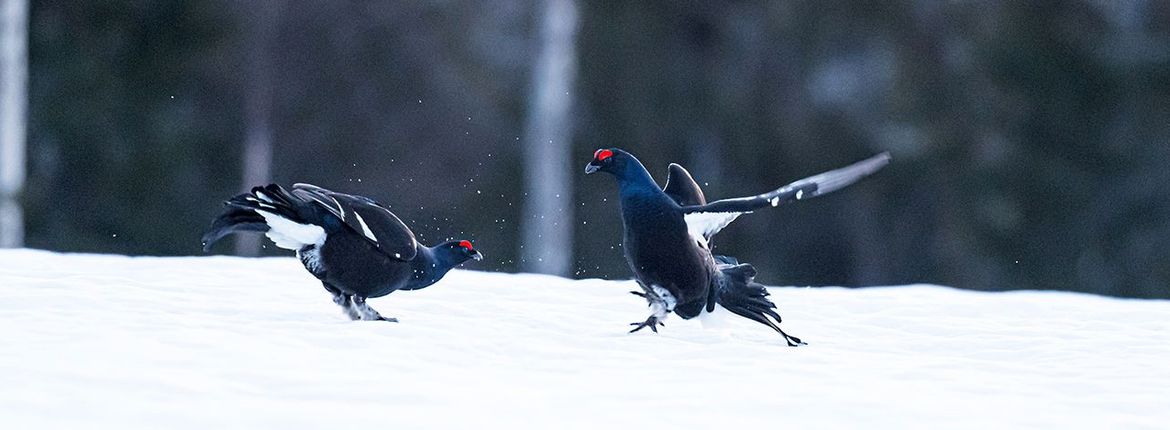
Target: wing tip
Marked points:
879	160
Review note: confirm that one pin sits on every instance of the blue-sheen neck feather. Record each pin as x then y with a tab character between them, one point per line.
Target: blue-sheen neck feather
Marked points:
428	266
635	179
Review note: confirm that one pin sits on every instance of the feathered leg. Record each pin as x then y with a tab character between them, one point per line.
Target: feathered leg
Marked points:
343	300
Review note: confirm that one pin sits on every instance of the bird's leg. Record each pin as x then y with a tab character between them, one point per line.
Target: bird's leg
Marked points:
343	300
366	312
661	303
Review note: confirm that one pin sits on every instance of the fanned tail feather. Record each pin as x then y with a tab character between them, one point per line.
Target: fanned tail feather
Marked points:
231	221
737	292
271	210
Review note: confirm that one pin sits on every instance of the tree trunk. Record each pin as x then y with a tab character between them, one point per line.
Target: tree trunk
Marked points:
547	245
257	162
13	119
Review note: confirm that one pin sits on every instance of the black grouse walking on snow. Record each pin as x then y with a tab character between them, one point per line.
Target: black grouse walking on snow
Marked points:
355	246
668	234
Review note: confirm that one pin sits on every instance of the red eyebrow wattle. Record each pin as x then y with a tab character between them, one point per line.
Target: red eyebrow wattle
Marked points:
602	154
465	244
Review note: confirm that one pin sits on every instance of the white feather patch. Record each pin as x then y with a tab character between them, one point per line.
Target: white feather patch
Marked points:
340	209
291	235
365	228
702	225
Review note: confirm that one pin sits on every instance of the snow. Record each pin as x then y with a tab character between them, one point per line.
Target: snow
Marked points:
95	341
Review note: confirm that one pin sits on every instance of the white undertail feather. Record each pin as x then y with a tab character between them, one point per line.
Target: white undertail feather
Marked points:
292	235
702	225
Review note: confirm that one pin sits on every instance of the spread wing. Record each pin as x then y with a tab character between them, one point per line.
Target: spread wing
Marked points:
702	225
365	216
682	188
708	219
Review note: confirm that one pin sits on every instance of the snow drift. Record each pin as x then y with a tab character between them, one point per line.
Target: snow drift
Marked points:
93	341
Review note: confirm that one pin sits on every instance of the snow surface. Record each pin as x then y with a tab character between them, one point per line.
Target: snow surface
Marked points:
92	341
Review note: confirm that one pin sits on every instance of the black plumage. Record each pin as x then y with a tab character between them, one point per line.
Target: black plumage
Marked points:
667	234
356	247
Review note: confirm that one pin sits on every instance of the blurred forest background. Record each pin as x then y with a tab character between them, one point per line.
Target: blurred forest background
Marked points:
1031	139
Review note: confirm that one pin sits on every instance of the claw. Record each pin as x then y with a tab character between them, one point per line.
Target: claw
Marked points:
651	322
638	293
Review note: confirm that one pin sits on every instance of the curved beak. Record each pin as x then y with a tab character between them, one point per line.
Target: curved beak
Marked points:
475	255
590	168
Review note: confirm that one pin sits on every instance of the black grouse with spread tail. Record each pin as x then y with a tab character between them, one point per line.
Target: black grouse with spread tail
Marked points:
355	246
668	235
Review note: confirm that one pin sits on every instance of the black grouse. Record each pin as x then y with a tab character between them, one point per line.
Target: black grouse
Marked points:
355	246
668	235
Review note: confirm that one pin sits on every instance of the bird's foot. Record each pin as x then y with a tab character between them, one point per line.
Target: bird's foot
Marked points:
366	313
653	322
369	314
375	316
794	341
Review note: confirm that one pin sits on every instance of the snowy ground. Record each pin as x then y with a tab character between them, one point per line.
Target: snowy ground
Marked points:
115	342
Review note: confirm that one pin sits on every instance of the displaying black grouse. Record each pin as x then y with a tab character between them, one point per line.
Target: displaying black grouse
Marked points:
668	234
355	246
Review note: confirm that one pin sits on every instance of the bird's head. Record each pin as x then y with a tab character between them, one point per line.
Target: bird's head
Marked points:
458	251
610	160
